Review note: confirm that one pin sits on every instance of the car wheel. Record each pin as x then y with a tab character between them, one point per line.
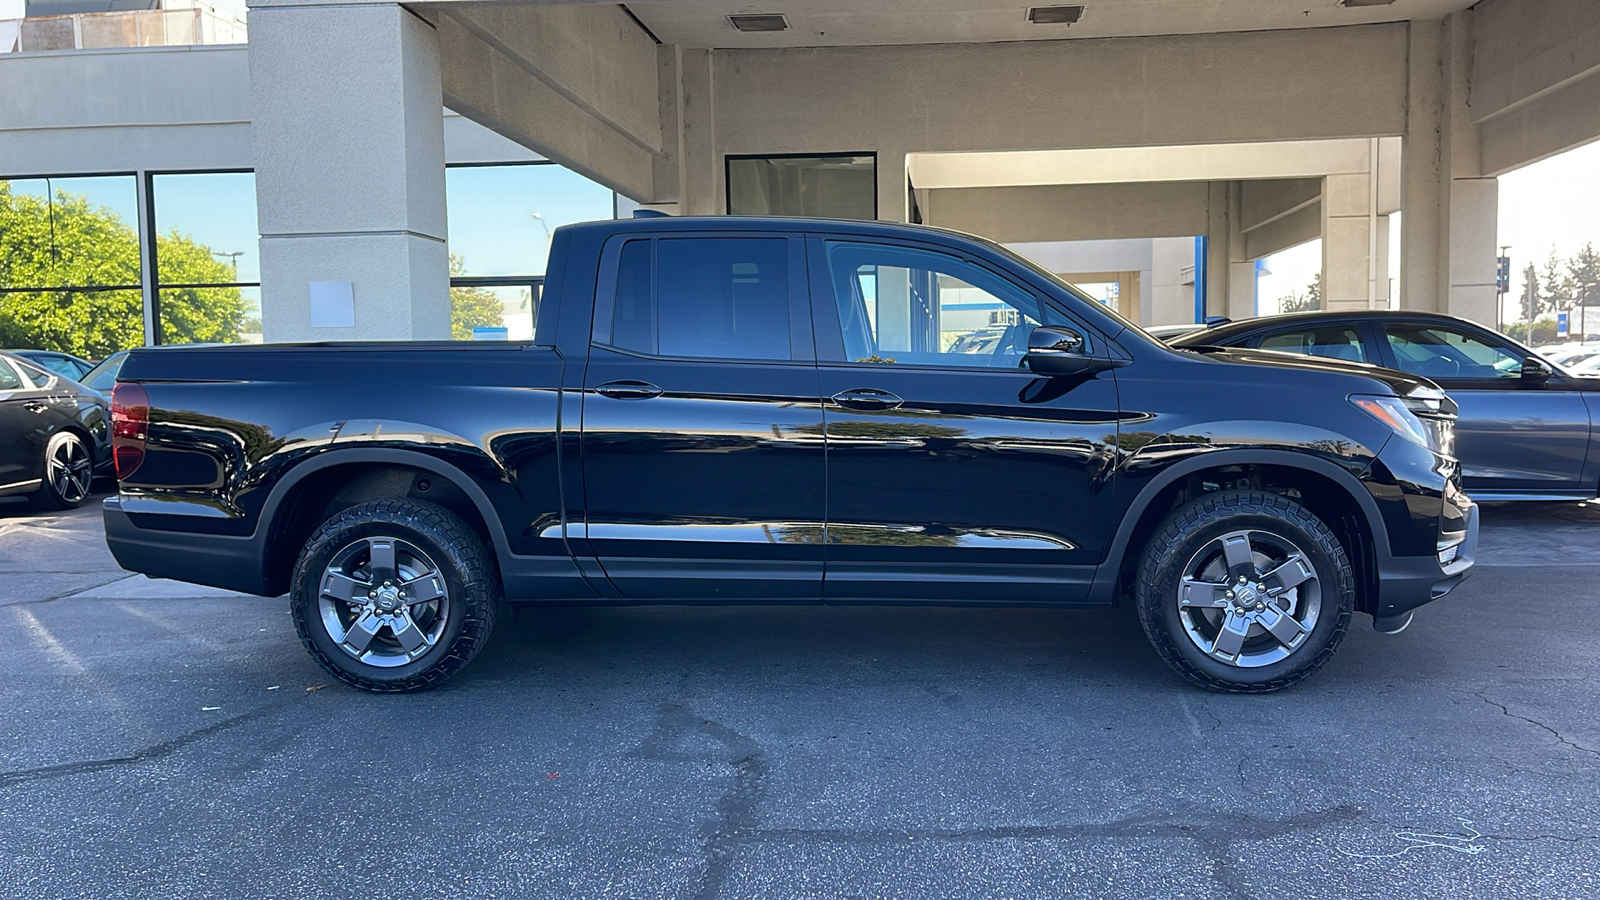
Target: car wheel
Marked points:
1245	592
68	473
393	595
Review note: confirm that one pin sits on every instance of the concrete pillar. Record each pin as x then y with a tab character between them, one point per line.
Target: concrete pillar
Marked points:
1451	210
701	169
894	189
348	131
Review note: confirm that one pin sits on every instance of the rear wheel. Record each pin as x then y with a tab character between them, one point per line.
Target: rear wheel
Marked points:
1245	592
393	595
68	473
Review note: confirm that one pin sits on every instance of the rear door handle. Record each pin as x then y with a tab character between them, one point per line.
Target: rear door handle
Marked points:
628	390
867	399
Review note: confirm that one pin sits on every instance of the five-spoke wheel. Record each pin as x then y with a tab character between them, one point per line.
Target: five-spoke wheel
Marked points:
68	473
394	594
1245	591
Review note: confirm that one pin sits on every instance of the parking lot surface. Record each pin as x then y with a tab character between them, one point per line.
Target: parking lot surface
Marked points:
161	740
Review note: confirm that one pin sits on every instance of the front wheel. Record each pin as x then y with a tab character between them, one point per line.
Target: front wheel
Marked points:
393	595
1245	592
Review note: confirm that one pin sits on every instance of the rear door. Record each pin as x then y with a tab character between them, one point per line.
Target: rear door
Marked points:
1514	436
953	472
702	436
25	425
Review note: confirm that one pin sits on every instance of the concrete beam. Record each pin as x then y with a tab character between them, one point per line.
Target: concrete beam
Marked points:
1526	49
1262	203
576	84
1292	230
1071	212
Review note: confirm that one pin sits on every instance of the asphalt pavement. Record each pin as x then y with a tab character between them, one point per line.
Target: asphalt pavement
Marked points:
162	740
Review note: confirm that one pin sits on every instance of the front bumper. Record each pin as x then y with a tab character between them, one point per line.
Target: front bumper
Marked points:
1407	582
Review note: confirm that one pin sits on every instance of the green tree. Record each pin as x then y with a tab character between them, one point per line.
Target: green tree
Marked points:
472	307
1583	276
1310	301
47	245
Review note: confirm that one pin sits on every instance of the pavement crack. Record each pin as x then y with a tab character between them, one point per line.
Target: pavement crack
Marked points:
142	755
735	818
1483	695
121	576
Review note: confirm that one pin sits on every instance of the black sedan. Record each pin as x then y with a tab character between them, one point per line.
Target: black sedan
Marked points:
55	435
1528	429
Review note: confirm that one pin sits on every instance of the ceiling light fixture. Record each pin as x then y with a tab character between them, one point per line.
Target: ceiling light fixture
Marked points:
760	22
1365	2
1054	15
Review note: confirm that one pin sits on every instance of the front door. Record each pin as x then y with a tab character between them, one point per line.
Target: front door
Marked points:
702	426
953	472
1513	436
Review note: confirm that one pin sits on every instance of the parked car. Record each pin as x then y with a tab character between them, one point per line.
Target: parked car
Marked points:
54	435
104	375
1569	356
1527	429
60	363
1170	333
731	410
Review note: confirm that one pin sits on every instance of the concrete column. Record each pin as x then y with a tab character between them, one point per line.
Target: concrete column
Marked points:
1451	210
700	170
348	133
894	191
1219	253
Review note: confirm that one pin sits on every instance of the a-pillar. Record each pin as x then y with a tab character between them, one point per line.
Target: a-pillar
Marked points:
348	129
1451	211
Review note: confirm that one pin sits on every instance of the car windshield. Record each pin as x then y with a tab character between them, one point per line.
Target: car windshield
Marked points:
104	376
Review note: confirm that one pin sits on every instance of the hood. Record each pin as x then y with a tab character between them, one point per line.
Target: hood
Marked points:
1399	382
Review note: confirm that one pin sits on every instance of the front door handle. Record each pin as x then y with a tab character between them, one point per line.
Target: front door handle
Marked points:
628	390
867	399
36	406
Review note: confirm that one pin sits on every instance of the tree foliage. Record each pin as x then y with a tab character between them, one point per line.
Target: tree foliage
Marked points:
1310	301
53	246
472	307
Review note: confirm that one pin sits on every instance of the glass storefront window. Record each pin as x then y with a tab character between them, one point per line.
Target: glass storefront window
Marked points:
209	315
840	186
206	227
69	232
90	324
500	217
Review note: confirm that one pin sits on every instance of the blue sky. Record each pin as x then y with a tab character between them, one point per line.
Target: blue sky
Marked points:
490	209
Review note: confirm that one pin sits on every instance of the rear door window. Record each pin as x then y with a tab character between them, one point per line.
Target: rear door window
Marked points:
1328	342
703	298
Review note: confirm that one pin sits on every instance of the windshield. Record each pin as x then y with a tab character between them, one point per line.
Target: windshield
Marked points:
104	376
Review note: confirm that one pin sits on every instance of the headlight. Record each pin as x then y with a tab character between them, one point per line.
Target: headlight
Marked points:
1427	418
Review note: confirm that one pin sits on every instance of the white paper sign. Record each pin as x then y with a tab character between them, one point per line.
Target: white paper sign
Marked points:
333	304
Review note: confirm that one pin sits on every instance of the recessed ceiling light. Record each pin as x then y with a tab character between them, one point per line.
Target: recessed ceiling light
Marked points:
1054	15
1365	2
760	22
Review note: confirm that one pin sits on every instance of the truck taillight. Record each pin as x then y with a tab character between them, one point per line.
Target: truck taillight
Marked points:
130	423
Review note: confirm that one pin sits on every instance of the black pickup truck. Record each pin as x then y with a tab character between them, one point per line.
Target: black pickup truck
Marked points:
724	410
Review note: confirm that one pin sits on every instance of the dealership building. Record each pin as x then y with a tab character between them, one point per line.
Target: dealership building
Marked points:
393	156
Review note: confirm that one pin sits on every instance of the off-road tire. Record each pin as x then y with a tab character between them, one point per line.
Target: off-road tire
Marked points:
1186	532
474	593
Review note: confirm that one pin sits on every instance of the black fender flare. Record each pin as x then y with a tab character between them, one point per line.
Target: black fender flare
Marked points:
335	455
1106	575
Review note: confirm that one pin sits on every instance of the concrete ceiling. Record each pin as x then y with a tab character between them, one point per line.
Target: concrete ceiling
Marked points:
845	23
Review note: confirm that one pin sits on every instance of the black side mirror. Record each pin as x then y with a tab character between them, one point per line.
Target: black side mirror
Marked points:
1536	370
1053	350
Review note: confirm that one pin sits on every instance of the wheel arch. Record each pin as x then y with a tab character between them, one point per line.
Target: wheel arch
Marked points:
295	507
1332	492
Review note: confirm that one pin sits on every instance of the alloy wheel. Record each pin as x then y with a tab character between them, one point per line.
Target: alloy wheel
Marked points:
1249	598
383	601
69	469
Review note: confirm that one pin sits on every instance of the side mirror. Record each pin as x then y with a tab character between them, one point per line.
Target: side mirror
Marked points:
1053	350
1536	370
